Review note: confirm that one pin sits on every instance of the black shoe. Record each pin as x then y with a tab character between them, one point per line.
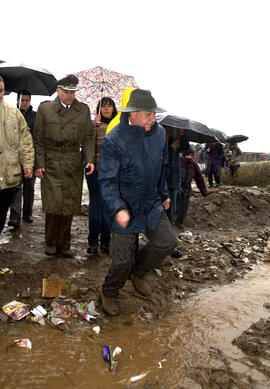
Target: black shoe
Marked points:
28	219
14	223
104	248
92	250
218	185
210	186
176	253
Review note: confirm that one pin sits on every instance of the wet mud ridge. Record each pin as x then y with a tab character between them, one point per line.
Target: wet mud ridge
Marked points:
226	235
255	345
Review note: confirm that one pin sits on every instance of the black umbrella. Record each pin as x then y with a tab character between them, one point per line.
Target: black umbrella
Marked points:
37	81
221	136
236	138
196	132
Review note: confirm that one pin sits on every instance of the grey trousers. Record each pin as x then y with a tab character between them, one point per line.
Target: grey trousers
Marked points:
126	257
27	188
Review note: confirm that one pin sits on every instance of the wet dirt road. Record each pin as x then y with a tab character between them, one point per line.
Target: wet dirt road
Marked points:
211	318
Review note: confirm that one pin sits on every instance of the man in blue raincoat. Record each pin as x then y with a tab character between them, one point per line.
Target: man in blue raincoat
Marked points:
132	176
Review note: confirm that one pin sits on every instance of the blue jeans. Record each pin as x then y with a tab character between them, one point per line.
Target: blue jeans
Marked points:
98	226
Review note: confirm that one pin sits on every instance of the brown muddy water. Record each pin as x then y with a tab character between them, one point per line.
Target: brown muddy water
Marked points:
165	350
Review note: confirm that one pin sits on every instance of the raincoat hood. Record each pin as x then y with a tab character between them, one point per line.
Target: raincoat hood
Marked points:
125	99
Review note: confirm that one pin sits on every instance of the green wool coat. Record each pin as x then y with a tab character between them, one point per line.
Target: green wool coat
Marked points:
63	141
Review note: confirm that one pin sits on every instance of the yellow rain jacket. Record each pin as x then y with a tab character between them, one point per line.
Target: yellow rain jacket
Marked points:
125	100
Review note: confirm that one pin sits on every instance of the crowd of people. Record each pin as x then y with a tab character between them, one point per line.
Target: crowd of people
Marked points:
139	177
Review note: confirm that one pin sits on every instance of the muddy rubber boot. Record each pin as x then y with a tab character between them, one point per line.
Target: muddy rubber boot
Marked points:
110	305
50	250
140	285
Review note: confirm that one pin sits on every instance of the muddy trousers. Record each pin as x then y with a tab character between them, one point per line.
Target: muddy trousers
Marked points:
6	197
26	191
57	231
126	257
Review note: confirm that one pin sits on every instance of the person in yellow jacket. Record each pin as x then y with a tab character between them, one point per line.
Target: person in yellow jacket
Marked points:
125	100
16	151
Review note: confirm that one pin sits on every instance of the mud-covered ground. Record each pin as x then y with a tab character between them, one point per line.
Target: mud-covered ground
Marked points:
233	227
230	233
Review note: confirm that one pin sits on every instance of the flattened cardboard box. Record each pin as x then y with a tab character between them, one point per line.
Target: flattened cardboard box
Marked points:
55	288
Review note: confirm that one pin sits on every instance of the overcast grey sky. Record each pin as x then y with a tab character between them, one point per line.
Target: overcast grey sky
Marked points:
207	60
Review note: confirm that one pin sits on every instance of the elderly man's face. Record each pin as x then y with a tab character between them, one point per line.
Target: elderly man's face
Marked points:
2	90
66	96
144	119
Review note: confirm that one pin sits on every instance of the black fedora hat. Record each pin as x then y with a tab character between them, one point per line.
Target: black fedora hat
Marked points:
141	100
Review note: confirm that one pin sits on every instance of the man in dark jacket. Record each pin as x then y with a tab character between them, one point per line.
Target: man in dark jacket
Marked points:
27	186
215	155
189	170
132	176
64	139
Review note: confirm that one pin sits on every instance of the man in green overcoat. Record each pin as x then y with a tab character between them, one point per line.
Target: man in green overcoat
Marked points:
64	141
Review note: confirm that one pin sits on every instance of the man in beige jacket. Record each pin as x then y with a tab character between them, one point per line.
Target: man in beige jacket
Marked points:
16	151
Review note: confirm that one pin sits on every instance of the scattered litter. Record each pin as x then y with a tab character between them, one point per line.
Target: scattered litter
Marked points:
116	351
110	358
170	346
39	311
91	308
96	329
25	343
16	310
55	288
4	270
158	271
56	320
106	354
38	319
138	377
89	318
61	308
186	236
178	271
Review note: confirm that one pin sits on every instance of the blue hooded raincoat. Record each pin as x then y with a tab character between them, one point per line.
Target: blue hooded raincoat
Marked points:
132	174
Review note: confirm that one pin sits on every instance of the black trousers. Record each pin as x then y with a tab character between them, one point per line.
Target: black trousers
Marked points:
233	169
58	230
182	207
210	177
126	257
26	190
6	197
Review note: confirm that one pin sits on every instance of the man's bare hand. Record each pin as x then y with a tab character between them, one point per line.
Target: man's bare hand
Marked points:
28	173
122	218
39	173
166	204
90	166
